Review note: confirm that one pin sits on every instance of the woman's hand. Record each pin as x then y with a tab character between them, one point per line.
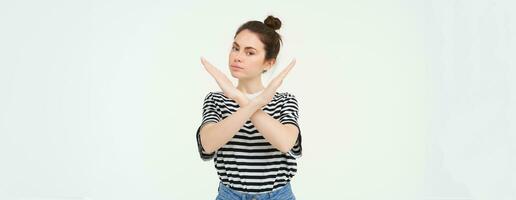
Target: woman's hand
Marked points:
268	93
224	83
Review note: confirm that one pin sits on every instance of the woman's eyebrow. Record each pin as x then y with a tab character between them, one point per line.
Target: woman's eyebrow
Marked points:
236	44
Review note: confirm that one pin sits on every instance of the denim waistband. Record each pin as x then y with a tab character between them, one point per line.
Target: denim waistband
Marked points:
283	191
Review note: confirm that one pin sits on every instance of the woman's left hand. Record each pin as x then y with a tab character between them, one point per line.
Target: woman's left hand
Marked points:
268	93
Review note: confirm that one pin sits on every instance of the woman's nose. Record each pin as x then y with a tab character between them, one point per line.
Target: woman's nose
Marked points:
238	57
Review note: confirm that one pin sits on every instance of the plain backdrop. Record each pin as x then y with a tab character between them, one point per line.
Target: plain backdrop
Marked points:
401	100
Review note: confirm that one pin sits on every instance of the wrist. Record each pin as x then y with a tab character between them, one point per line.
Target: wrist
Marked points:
256	102
242	100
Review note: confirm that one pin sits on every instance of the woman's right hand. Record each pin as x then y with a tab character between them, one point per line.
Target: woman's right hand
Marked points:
224	83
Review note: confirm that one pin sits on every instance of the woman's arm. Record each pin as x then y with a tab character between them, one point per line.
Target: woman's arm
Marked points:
218	134
281	136
215	135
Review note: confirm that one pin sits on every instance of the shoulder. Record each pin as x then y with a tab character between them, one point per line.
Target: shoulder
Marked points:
214	93
285	95
216	96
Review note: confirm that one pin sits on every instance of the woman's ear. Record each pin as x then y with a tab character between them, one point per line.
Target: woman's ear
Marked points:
270	63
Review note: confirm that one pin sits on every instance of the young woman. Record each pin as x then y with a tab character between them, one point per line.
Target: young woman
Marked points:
251	131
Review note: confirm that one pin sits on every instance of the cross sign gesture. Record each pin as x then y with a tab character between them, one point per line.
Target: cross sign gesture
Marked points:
232	92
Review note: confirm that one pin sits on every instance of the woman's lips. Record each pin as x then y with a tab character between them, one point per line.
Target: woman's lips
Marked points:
236	67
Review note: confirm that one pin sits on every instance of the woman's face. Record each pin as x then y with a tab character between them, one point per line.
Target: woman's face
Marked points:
246	58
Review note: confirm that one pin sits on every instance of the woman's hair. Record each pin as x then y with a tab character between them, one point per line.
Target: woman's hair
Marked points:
266	31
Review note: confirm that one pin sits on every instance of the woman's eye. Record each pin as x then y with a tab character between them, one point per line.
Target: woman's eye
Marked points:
234	48
250	53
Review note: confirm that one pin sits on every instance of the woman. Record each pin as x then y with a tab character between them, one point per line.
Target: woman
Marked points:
251	131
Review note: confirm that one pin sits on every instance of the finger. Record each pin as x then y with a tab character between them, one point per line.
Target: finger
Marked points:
207	65
278	80
214	71
221	79
287	69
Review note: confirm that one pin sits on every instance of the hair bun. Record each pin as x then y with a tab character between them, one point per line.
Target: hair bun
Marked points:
272	22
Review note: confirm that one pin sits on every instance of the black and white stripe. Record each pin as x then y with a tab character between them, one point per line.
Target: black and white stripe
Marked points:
248	163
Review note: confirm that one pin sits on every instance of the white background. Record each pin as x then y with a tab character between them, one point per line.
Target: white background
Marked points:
100	100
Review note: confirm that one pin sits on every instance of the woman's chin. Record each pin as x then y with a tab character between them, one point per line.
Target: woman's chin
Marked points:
236	75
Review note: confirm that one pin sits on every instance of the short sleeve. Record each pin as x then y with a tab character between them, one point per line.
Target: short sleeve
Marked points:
210	114
289	115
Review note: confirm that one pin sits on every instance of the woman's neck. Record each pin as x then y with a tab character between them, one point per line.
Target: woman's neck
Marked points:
250	86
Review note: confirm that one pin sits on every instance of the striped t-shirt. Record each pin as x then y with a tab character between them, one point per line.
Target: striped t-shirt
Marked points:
249	163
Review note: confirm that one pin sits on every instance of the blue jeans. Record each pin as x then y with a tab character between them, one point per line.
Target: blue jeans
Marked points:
283	193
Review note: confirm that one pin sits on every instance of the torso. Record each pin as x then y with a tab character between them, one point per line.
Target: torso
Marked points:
249	163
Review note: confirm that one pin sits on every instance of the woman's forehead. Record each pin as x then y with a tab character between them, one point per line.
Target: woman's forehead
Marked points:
246	39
